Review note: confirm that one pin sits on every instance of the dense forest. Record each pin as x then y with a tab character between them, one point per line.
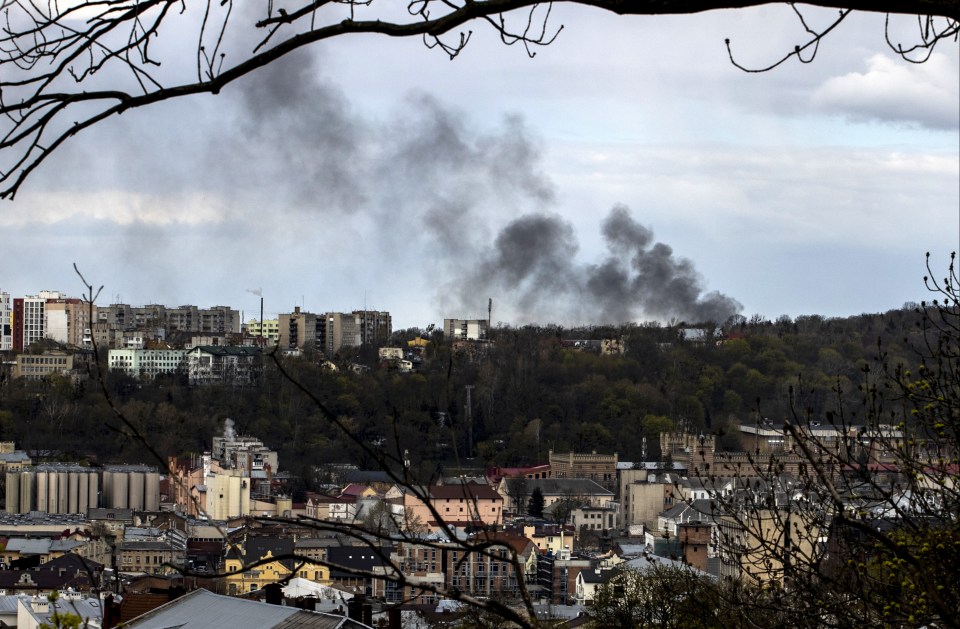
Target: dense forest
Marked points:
530	393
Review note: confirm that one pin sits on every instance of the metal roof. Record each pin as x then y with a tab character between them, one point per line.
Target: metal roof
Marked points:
201	609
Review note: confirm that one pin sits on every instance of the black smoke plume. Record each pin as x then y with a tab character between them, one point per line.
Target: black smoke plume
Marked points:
531	265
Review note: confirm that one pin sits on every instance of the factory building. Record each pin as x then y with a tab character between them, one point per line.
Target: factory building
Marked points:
64	488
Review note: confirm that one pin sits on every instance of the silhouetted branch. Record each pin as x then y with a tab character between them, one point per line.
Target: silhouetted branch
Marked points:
64	68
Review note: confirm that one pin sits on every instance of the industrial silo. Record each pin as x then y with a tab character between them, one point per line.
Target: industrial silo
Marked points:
151	492
93	488
27	482
73	492
83	491
107	489
62	492
53	488
135	480
43	490
119	494
13	492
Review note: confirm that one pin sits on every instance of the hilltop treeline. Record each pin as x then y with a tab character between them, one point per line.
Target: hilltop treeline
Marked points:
530	393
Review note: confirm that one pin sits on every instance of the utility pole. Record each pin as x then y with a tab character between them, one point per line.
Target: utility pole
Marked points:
469	387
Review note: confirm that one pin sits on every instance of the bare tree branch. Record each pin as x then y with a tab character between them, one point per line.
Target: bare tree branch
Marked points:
65	68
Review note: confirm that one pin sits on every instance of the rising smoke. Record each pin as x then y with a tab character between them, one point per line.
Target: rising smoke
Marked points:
532	263
419	199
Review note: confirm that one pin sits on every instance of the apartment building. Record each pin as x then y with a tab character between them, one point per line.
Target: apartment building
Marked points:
6	322
216	320
452	565
147	363
245	453
268	330
43	366
28	318
299	330
213	364
67	320
375	326
466	329
341	330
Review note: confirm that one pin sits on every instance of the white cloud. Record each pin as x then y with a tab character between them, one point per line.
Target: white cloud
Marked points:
122	207
892	90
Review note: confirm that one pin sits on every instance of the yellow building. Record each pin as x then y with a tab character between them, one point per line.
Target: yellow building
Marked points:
270	329
240	580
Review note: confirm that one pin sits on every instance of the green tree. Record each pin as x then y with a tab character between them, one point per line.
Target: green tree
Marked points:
536	503
663	596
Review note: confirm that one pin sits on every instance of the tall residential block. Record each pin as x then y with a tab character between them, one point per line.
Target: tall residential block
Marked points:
465	329
6	322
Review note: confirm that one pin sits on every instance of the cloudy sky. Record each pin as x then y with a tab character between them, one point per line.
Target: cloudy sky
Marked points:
627	172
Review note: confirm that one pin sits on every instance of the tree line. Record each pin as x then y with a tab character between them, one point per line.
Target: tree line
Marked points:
532	392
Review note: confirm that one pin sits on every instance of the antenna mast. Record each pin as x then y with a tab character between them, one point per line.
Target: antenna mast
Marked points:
469	387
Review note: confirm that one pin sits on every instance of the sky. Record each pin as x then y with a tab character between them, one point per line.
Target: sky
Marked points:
628	172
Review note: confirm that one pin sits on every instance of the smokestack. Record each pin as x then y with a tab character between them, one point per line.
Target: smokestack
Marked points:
262	344
489	315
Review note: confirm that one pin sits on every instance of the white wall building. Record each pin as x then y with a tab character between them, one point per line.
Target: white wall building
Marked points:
33	319
465	329
148	363
6	322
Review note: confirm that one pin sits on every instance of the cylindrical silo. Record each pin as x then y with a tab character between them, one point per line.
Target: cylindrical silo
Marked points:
83	492
151	492
53	488
135	491
93	498
73	492
107	490
27	481
62	487
120	491
43	489
13	492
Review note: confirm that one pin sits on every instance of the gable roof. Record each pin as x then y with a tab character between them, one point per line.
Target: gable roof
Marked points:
473	491
556	487
345	561
201	609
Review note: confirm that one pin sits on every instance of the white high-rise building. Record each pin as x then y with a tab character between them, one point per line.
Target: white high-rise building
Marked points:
33	319
6	322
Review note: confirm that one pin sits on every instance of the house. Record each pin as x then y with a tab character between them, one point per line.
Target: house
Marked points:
587	583
705	511
67	571
598	519
243	576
